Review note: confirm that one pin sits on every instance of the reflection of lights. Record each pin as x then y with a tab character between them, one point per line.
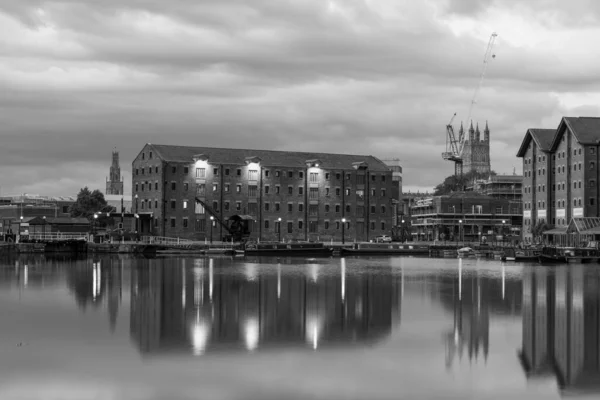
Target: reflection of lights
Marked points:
25	275
210	278
503	280
456	337
460	278
401	283
314	272
251	272
183	287
200	336
343	262
278	281
198	285
96	285
313	331
251	333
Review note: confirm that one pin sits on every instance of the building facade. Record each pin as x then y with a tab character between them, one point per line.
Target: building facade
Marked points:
465	216
560	174
292	195
476	153
114	182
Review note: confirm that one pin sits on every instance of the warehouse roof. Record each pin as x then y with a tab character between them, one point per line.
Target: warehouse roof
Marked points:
542	137
267	157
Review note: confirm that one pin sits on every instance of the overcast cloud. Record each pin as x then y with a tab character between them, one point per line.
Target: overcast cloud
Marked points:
379	77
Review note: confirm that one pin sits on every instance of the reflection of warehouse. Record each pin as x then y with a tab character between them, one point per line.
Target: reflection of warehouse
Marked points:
195	309
561	326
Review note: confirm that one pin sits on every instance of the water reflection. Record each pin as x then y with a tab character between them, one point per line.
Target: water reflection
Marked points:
561	326
202	307
474	297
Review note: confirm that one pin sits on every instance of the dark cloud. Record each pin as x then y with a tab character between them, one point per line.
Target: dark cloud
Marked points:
80	77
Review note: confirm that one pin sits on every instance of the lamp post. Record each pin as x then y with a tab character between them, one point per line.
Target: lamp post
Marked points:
44	228
94	225
343	227
460	229
279	228
211	228
402	231
502	233
136	214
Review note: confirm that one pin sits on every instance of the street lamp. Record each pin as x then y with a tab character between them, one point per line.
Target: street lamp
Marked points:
44	228
343	227
502	233
94	225
211	228
460	221
279	228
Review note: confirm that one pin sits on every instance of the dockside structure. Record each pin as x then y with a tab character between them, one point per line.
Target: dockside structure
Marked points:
286	195
561	171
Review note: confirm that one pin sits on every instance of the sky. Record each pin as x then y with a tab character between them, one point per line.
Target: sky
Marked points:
377	77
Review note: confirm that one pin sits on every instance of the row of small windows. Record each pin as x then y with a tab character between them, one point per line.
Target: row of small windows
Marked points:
559	203
253	189
560	155
253	174
313	209
200	225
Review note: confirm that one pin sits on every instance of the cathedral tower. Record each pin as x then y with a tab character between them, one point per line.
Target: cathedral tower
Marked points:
476	153
114	184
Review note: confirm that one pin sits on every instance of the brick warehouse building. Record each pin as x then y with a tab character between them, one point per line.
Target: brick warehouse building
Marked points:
560	175
310	192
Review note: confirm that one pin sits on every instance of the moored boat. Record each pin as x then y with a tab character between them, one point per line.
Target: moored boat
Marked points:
266	248
386	248
569	255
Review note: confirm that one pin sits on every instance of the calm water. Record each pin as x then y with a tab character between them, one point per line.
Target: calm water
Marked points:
294	328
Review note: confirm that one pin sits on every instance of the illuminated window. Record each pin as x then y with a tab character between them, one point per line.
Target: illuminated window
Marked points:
238	188
314	177
185	204
227	188
252	175
185	186
200	172
215	187
199	209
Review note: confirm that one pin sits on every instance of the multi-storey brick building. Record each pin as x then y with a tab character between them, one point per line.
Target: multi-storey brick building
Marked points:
302	196
560	174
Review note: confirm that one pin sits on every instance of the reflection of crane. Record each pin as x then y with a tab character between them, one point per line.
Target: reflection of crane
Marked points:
454	145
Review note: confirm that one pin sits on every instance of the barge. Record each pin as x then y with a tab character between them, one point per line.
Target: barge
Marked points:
267	248
563	255
386	249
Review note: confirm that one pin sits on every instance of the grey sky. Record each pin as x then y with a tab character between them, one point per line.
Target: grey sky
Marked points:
380	77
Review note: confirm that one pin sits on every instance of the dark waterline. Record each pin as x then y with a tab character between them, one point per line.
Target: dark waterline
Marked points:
295	328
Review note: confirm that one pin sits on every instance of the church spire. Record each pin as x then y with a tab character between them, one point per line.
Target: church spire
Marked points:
477	134
471	133
486	132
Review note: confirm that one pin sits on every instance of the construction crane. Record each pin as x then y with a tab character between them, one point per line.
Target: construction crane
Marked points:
455	145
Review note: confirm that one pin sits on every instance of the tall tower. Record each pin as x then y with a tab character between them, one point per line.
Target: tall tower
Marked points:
114	184
476	153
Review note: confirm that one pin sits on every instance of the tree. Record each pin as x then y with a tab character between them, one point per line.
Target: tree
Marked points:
88	203
454	183
538	230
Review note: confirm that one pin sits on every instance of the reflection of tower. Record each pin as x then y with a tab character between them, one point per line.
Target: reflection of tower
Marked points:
561	329
198	309
471	327
114	184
